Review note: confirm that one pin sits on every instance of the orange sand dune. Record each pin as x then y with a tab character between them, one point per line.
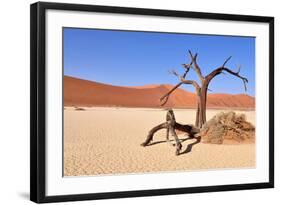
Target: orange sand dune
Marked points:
78	92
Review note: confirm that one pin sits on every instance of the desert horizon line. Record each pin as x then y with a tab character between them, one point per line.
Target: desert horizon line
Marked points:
153	84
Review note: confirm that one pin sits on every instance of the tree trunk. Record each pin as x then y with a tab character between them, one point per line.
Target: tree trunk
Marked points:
201	107
200	112
197	115
203	103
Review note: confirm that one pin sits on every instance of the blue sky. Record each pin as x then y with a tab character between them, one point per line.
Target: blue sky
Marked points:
128	58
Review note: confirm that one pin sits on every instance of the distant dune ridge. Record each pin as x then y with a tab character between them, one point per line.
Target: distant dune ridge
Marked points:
78	92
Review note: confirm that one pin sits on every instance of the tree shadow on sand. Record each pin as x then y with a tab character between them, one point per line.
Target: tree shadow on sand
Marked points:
171	141
188	147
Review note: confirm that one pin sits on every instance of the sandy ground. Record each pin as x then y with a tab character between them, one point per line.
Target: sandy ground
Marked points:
107	141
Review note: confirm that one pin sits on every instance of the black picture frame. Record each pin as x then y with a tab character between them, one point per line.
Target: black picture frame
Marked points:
38	109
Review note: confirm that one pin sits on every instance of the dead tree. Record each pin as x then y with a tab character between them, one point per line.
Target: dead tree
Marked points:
171	125
202	88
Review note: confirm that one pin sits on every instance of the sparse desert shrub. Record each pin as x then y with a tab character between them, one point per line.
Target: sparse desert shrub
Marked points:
79	109
227	127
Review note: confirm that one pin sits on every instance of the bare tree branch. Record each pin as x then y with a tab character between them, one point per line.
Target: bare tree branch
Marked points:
167	95
239	67
245	80
187	68
182	79
164	99
196	66
175	73
222	68
225	62
191	82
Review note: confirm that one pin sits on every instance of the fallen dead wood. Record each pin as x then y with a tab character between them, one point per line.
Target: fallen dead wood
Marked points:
223	128
171	126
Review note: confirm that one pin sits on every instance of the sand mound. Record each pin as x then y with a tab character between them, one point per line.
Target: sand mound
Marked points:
228	128
78	92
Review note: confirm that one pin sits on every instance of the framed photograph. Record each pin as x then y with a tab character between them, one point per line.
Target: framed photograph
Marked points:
129	102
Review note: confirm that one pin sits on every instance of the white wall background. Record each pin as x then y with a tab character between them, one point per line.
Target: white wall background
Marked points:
14	100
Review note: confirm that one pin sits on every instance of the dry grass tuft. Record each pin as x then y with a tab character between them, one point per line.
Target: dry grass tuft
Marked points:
228	128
